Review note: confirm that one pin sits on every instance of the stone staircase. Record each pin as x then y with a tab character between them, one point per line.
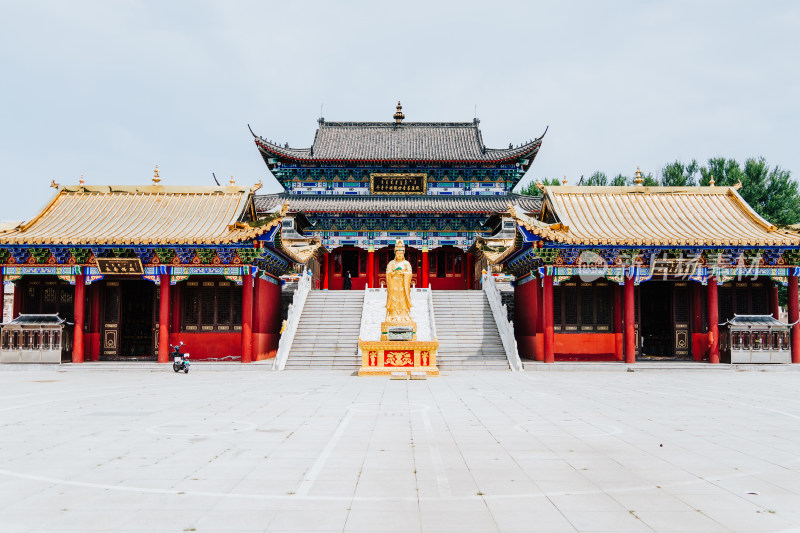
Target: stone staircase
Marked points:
467	332
327	334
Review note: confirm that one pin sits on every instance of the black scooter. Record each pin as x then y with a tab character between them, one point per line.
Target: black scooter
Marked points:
179	361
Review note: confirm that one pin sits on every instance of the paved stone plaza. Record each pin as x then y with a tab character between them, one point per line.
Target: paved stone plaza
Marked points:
685	450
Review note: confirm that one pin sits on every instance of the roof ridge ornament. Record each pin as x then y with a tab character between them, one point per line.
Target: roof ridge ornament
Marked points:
638	181
712	183
398	115
80	181
564	181
232	182
156	178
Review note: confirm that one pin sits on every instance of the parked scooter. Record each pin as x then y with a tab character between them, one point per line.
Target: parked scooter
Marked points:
180	361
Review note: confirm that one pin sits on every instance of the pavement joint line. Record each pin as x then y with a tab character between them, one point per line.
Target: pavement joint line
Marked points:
319	464
436	457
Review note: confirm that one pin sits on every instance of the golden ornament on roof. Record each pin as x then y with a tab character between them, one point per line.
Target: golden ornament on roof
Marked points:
398	115
156	178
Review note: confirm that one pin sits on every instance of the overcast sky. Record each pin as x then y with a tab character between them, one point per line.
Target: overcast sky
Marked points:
108	89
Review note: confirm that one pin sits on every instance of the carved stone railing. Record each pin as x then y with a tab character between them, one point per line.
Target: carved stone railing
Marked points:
430	312
504	326
292	320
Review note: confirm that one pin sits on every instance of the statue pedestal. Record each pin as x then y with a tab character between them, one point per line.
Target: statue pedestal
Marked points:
381	358
386	326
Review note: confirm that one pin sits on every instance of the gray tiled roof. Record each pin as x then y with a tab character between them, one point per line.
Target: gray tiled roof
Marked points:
407	141
308	203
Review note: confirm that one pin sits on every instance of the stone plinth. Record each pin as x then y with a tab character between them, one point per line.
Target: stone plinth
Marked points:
381	358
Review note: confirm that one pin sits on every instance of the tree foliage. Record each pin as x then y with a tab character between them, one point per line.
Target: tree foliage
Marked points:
598	178
620	181
772	193
532	190
677	174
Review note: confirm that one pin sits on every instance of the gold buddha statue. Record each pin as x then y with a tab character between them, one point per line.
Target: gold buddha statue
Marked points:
398	287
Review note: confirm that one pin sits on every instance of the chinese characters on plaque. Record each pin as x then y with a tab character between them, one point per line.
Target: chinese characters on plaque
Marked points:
120	266
398	183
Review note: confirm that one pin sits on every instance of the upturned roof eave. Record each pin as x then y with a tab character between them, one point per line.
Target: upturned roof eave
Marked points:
513	155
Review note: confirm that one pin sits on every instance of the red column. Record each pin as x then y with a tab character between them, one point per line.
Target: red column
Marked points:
630	322
697	318
163	320
327	268
794	316
16	306
547	311
774	302
78	303
426	268
2	297
713	321
537	317
370	268
618	333
247	316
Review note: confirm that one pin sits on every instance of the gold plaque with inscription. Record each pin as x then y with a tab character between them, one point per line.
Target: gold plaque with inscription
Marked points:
119	266
406	183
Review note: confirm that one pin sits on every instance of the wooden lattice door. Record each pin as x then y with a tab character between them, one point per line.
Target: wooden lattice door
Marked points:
681	313
111	303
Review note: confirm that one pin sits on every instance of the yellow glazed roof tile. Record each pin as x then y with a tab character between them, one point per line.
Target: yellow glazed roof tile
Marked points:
655	216
145	215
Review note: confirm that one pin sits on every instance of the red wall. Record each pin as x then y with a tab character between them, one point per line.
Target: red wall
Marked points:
700	346
337	282
585	346
267	320
209	345
447	284
525	312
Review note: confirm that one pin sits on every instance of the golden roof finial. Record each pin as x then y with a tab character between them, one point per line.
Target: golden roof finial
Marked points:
564	181
232	182
54	185
80	181
711	181
156	178
637	181
398	115
738	185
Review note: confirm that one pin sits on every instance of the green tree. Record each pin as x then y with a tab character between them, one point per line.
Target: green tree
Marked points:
532	190
726	172
598	178
772	193
649	181
677	174
620	181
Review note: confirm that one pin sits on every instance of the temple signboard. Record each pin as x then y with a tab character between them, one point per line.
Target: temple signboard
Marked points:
119	266
404	183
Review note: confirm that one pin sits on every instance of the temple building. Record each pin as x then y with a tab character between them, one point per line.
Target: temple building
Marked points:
625	273
601	273
138	268
362	185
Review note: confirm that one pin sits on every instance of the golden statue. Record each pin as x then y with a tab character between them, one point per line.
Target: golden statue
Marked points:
398	287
